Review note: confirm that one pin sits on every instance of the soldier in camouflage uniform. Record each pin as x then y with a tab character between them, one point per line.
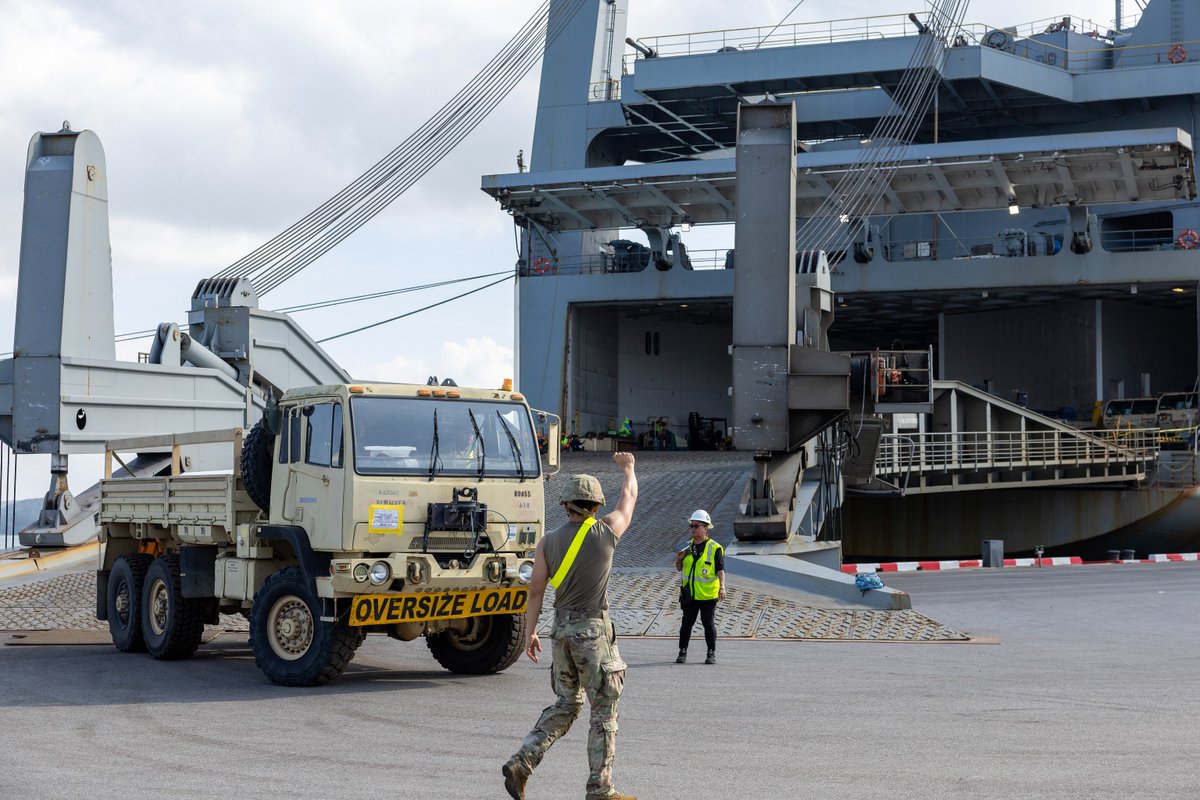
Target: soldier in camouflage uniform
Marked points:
577	560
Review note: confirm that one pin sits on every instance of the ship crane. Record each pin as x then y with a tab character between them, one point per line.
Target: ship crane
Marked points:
64	393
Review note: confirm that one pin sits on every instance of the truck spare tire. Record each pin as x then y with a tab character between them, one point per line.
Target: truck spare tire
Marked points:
257	451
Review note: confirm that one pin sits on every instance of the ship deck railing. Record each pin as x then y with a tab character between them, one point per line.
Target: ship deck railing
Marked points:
1027	41
851	29
1012	242
1016	241
620	263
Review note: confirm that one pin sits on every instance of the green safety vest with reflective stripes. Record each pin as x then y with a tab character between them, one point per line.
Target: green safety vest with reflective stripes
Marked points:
700	576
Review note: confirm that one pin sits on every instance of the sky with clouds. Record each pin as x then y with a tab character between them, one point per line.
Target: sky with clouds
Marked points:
225	121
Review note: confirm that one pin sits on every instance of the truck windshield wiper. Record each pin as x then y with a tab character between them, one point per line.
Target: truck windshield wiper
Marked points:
512	443
479	438
434	455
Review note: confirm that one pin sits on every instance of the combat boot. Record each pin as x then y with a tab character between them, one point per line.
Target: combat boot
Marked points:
682	657
614	796
711	658
516	774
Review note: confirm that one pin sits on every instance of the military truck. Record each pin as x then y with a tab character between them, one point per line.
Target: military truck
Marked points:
412	510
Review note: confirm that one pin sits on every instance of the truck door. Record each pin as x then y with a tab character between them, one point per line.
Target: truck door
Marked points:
315	495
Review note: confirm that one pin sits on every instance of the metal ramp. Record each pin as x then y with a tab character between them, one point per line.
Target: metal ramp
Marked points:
974	440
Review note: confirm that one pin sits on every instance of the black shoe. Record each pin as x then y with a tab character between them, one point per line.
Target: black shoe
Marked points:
711	658
682	657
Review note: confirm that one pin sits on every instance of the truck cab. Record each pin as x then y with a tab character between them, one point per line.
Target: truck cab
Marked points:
1177	418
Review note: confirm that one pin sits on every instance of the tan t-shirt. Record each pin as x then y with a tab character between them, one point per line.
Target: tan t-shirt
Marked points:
585	587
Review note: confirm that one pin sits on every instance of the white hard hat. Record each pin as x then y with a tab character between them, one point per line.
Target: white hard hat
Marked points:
700	515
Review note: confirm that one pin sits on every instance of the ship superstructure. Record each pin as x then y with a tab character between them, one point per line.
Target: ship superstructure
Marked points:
1040	233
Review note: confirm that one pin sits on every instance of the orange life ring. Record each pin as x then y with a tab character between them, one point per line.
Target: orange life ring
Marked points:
1177	53
541	266
1188	240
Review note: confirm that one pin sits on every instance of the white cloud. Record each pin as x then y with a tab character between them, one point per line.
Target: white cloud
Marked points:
478	362
398	369
472	362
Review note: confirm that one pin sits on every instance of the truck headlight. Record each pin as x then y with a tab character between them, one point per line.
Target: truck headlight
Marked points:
381	573
525	572
361	571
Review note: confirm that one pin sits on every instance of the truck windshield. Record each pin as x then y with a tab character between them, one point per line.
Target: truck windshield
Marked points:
1177	402
395	436
1117	408
1144	406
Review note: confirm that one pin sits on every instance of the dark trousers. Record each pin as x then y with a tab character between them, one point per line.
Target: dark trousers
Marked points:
707	609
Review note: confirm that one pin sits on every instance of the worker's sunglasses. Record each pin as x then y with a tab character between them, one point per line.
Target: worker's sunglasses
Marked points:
696	525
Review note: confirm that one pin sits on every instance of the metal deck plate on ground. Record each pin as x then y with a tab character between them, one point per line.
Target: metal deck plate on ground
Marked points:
643	604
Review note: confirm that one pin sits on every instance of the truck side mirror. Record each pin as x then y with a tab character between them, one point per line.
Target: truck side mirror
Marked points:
553	440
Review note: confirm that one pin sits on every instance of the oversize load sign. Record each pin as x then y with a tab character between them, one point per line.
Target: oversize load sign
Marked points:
388	609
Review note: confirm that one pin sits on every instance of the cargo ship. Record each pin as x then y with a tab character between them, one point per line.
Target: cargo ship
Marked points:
1034	246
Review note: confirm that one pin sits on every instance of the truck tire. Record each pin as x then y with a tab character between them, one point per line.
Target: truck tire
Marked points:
124	602
481	645
257	461
171	623
291	644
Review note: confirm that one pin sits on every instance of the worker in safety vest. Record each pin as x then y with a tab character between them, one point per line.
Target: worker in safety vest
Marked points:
702	574
576	559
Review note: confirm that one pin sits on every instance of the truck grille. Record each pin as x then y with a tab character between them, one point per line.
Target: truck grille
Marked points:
451	541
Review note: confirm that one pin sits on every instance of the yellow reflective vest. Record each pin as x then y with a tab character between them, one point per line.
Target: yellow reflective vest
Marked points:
700	576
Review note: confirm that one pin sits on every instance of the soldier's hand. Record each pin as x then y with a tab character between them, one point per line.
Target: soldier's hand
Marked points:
623	459
533	647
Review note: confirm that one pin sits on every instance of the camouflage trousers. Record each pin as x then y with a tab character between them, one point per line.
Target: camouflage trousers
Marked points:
585	661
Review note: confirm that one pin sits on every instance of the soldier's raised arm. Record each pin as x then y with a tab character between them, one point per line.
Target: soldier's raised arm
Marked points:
618	519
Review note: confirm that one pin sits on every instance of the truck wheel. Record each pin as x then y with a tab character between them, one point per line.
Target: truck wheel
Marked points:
291	644
479	645
256	465
124	601
171	623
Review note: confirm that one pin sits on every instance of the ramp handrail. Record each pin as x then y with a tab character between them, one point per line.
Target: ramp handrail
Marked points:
966	451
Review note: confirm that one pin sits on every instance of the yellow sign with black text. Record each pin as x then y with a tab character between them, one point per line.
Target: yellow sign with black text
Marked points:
389	609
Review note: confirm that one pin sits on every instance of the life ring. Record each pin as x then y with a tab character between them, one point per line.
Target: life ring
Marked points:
1177	53
541	266
1188	240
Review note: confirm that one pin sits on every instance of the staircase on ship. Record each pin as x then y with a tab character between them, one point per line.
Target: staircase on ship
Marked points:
974	440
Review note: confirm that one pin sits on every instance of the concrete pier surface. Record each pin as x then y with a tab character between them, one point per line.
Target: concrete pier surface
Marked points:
1079	683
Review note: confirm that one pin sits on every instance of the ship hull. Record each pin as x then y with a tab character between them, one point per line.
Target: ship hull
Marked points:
1084	521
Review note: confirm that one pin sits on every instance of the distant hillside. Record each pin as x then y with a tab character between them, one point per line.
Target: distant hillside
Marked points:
26	513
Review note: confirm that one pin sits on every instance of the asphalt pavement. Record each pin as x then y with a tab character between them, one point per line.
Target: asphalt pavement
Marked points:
1087	691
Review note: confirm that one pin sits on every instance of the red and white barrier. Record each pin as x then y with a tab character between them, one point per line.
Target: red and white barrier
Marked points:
1047	561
